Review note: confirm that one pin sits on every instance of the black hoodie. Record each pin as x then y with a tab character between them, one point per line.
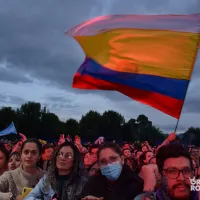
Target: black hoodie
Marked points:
126	187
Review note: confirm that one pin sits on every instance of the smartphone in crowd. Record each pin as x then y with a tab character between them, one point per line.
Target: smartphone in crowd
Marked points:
26	191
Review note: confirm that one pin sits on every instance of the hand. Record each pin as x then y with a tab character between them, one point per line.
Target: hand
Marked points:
68	138
145	198
17	147
149	174
171	137
100	140
23	137
77	140
61	139
92	198
19	197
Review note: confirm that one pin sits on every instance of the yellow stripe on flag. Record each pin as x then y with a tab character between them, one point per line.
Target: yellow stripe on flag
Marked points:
153	52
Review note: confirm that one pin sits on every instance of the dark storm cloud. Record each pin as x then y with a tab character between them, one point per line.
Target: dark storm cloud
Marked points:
32	38
16	100
192	105
2	98
11	100
192	101
61	102
157	6
13	76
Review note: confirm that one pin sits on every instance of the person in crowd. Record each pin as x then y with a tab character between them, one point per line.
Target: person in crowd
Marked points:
47	151
145	148
194	152
127	153
176	168
128	160
126	145
14	161
94	169
47	154
27	175
87	160
145	157
152	160
115	181
138	154
93	152
4	155
196	168
134	152
65	178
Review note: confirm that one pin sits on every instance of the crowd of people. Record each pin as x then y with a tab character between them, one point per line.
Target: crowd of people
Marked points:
67	170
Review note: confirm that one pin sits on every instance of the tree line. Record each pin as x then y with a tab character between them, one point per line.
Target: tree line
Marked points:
33	120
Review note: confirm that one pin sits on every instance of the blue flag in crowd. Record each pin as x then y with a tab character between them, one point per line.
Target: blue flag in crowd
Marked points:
9	130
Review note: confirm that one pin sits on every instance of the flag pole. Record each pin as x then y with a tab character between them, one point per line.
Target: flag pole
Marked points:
176	125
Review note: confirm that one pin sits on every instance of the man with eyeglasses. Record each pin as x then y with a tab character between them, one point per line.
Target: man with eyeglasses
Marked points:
175	166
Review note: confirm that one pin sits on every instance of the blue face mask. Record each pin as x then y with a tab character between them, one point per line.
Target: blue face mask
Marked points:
112	171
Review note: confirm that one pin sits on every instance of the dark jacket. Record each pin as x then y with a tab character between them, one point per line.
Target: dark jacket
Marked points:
127	187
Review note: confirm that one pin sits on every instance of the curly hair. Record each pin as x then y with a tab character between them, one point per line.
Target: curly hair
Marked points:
171	151
78	170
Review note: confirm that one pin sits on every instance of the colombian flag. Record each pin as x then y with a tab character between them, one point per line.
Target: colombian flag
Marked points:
148	58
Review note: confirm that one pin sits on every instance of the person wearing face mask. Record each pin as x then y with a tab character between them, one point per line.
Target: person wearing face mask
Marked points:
115	181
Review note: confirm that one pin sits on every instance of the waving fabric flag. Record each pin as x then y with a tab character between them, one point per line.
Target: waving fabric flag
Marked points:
9	130
148	58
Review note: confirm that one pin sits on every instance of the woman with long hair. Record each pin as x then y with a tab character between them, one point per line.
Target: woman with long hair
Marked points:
66	176
28	174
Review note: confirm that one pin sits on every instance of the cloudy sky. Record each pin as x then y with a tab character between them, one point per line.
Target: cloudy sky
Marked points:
37	62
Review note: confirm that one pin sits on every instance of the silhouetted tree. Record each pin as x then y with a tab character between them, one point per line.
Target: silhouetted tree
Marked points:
33	120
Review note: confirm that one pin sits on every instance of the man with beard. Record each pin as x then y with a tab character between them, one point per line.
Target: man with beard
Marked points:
175	167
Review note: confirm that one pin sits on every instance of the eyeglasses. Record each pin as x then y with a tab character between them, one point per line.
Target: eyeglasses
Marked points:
66	156
173	173
112	159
